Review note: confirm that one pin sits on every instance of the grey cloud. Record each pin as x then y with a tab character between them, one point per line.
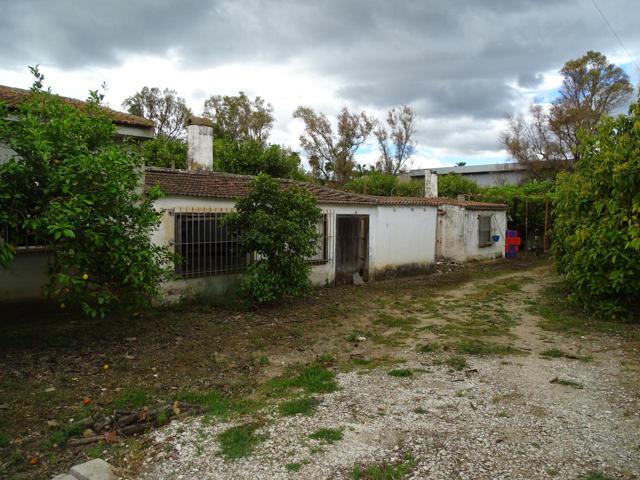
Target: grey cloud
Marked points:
448	58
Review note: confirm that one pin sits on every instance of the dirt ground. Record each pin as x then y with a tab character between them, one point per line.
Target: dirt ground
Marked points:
490	378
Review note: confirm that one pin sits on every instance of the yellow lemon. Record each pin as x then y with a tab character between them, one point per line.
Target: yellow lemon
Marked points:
85	277
62	305
105	366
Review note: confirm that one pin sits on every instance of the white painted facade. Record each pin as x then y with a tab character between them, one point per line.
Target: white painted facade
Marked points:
459	235
401	238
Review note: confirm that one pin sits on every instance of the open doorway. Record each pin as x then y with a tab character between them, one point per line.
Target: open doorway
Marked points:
352	247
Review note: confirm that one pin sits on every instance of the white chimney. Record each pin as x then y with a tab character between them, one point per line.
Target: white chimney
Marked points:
199	143
430	183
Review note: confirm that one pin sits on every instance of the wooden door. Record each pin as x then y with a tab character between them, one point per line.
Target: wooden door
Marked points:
352	247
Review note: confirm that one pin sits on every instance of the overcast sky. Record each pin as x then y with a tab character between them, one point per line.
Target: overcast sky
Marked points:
462	64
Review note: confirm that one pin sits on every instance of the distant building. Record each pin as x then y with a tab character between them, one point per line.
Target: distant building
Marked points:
492	175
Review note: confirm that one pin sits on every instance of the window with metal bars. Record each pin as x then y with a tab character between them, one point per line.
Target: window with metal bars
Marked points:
23	239
484	230
205	246
321	256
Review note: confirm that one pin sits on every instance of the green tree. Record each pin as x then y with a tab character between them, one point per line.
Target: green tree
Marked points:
164	152
238	118
397	144
548	140
331	155
452	184
250	157
597	217
77	191
279	226
377	183
168	110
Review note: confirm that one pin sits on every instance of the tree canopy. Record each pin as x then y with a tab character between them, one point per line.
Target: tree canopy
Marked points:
396	143
548	140
168	110
597	217
75	190
238	118
331	154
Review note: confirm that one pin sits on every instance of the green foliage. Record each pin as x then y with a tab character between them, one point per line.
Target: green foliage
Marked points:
298	406
400	372
216	403
135	398
4	440
328	435
597	218
385	471
77	192
279	225
311	379
456	362
453	184
251	157
377	183
526	200
164	152
238	442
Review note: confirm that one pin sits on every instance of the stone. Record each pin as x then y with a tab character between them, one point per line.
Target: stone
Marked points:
96	469
357	279
64	476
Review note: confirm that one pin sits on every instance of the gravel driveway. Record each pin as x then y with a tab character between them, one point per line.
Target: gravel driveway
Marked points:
519	416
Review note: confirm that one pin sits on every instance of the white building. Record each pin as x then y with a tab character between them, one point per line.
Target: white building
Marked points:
361	236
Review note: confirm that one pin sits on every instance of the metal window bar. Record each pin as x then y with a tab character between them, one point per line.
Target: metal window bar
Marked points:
484	230
322	254
205	246
23	240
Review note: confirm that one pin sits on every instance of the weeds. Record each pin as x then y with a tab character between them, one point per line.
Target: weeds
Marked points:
385	471
567	383
134	398
478	347
4	440
327	435
293	467
311	379
217	404
298	406
556	353
238	442
400	372
428	347
391	321
456	362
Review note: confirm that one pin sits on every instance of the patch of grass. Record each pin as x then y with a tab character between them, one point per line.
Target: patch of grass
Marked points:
428	347
95	451
133	398
557	314
503	414
456	362
293	467
596	476
393	321
263	360
385	471
354	336
4	440
298	406
420	410
59	437
478	347
400	372
326	358
238	442
311	379
328	435
360	361
567	383
556	353
217	404
508	397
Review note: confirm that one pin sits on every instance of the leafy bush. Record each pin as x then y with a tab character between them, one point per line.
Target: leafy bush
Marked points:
279	225
251	157
377	183
164	152
597	217
453	184
526	200
77	191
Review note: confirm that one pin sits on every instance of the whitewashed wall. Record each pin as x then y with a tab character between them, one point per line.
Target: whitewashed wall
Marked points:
473	251
25	277
400	238
404	238
451	233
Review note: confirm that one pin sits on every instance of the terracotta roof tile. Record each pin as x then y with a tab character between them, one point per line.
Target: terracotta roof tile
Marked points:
13	96
231	186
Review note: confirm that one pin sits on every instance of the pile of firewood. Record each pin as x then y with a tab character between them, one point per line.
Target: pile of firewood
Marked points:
123	423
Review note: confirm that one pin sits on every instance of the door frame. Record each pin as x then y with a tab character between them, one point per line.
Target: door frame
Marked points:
363	249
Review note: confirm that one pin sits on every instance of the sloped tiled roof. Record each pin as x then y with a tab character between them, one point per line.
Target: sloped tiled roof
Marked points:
230	186
13	96
437	201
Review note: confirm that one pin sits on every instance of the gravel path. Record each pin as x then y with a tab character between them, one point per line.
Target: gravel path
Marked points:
500	418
